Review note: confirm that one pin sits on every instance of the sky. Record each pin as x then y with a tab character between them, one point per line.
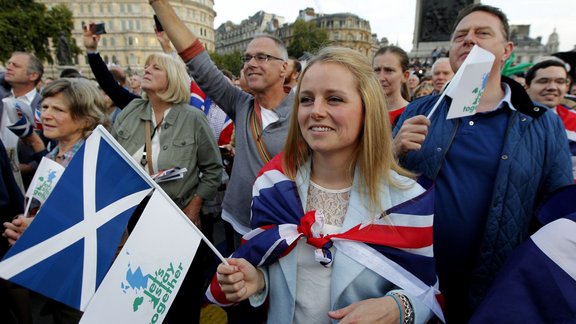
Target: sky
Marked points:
395	19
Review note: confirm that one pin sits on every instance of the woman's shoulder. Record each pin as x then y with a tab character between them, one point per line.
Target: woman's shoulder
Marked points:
403	188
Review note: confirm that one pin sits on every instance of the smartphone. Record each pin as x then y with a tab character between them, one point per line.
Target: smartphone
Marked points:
98	29
158	24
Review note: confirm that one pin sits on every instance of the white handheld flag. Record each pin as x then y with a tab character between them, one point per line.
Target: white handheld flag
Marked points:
145	277
468	84
45	179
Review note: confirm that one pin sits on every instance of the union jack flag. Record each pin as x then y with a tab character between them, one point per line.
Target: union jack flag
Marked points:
537	284
216	117
404	250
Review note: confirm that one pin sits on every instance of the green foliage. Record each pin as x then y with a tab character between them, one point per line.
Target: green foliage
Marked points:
230	62
27	26
307	37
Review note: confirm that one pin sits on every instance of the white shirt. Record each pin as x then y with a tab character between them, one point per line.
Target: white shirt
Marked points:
268	117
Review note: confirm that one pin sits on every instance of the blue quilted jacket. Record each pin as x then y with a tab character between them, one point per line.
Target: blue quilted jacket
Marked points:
535	161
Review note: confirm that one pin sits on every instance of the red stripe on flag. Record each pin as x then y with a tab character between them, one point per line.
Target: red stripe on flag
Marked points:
394	236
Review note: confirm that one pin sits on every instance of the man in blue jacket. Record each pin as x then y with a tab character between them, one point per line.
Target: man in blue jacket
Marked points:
491	169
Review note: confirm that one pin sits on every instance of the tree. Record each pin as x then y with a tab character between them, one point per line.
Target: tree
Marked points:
27	26
230	62
307	37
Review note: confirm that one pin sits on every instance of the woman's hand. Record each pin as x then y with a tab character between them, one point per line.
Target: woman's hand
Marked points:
240	279
16	228
374	310
90	40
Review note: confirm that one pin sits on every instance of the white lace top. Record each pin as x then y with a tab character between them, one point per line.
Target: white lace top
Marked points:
334	203
313	279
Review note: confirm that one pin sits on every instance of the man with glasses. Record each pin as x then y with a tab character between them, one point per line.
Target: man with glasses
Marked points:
260	120
547	83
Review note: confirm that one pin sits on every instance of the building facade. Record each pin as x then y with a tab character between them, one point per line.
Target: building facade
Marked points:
344	29
232	37
129	24
526	48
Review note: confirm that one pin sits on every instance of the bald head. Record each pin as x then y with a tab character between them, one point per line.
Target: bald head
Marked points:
441	73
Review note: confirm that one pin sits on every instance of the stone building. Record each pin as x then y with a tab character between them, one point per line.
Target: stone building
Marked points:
527	48
344	29
129	24
232	37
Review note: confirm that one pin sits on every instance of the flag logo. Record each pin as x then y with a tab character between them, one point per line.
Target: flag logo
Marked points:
151	291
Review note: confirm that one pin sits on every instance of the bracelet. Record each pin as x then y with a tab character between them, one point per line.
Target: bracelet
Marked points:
408	310
398	303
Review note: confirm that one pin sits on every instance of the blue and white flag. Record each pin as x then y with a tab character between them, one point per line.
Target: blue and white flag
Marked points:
537	284
68	248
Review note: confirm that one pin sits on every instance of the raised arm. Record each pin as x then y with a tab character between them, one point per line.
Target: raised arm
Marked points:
120	96
179	34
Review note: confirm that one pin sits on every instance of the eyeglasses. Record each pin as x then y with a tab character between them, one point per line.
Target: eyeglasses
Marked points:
260	58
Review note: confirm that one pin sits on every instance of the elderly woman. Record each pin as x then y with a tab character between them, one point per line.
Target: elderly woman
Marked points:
340	187
71	109
161	131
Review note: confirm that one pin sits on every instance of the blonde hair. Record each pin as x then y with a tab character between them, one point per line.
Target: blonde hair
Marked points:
84	99
178	88
373	156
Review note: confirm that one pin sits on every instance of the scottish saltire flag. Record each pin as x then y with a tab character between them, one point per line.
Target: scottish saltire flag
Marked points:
145	277
401	253
537	284
66	251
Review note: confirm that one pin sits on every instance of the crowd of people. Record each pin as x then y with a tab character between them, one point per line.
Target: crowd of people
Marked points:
343	198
